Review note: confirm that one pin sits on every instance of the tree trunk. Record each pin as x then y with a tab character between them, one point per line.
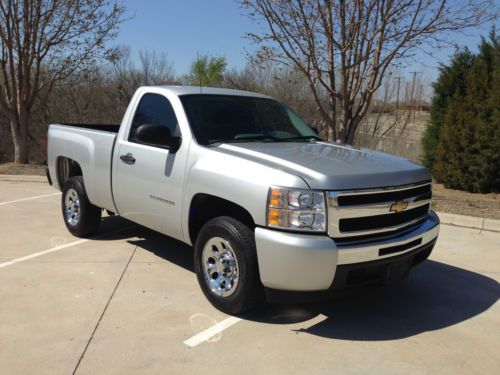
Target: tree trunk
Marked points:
20	138
351	131
330	131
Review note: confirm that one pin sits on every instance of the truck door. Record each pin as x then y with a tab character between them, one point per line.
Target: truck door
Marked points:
147	181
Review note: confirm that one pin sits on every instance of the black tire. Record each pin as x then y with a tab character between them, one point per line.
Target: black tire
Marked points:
89	216
248	292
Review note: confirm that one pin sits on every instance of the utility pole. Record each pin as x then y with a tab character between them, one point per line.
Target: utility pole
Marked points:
397	97
412	104
420	93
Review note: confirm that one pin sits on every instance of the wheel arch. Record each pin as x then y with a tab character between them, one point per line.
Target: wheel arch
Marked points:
66	168
205	207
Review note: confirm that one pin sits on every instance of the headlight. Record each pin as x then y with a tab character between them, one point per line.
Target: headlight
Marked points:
296	209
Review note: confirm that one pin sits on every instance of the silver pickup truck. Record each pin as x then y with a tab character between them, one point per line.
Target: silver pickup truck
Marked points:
270	208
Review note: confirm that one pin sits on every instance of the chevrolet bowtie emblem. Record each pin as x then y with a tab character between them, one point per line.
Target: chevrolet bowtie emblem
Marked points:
399	206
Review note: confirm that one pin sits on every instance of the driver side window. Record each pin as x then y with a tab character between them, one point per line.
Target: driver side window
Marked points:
154	109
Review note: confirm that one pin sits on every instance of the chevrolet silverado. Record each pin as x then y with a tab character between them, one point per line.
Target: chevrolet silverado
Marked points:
270	208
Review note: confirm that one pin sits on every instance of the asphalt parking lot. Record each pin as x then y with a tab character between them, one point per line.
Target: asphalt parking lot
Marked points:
128	301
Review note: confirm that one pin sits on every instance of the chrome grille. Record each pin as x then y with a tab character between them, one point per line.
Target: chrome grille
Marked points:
373	212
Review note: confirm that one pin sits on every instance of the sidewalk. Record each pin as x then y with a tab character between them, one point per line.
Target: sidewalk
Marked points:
469	221
22	177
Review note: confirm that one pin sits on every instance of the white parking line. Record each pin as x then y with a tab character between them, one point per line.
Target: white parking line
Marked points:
211	331
312	322
40	253
28	199
58	248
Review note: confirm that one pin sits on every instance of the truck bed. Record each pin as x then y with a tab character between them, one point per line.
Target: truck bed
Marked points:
91	145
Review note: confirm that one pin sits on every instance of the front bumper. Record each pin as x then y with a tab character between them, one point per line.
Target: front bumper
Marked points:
304	262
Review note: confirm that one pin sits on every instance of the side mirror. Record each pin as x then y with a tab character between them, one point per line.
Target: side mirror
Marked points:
157	135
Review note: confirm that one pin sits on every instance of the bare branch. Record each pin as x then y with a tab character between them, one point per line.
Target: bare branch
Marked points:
344	48
43	42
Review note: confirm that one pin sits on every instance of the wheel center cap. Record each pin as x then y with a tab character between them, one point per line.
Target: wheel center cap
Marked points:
227	264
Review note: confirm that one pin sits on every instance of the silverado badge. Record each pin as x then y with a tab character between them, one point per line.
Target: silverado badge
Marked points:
398	206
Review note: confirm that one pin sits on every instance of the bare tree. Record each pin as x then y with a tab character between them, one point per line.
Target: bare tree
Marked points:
153	69
344	48
99	94
281	82
395	123
43	42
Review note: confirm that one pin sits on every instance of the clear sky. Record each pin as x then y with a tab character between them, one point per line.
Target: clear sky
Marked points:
181	28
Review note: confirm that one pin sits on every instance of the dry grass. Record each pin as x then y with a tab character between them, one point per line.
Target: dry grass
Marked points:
464	203
398	136
22	169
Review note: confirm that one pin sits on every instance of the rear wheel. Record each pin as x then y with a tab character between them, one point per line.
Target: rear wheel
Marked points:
226	265
81	217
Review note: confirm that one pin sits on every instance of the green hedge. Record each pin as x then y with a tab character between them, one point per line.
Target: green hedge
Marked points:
462	141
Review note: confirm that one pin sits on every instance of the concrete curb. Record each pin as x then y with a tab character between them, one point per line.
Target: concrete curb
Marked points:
21	177
470	221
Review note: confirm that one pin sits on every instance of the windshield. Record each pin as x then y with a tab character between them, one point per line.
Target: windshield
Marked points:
225	118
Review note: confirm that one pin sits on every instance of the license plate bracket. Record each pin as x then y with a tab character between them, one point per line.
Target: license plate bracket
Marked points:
397	271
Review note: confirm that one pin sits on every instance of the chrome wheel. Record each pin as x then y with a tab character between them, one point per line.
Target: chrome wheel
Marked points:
72	207
220	266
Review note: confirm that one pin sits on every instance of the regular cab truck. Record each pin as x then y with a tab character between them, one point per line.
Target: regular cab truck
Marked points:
270	208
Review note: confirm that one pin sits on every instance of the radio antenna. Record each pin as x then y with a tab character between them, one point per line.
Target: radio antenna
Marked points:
199	70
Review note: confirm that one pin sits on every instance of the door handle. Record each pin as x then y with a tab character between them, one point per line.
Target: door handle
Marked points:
128	158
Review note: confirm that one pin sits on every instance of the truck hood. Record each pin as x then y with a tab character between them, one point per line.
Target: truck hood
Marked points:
329	166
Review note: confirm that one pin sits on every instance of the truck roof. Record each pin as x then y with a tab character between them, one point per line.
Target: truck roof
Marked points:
187	90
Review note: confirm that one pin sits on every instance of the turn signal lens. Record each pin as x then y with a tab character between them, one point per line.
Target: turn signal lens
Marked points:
276	198
273	217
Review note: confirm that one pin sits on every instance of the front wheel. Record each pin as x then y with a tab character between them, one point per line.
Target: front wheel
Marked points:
81	217
226	265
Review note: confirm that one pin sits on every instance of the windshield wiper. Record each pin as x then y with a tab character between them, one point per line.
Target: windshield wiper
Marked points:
256	137
302	138
243	139
265	138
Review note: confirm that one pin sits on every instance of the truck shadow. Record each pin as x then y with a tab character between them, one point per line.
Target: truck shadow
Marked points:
165	247
116	228
435	296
